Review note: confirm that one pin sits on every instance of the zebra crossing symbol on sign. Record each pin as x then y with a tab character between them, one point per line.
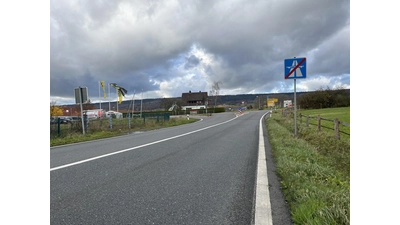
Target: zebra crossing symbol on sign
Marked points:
295	68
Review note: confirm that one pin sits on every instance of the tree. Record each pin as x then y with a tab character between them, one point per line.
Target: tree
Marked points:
55	110
215	91
166	103
325	98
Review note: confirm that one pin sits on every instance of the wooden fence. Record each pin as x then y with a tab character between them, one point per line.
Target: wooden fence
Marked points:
336	123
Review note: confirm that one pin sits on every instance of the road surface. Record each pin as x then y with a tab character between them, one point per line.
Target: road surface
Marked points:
199	173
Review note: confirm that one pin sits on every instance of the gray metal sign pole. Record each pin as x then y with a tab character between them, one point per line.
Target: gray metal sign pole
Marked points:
293	67
295	107
295	110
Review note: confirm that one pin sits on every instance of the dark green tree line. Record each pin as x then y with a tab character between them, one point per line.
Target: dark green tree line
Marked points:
325	98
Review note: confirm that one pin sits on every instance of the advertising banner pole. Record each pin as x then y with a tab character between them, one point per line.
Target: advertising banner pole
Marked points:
81	100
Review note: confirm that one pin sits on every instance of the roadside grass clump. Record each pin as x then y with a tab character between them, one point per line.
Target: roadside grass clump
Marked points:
79	137
316	188
326	144
99	129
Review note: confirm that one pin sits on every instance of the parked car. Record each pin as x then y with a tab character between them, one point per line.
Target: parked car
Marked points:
75	118
63	120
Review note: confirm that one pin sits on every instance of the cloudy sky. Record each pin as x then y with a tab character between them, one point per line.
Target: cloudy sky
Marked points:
168	47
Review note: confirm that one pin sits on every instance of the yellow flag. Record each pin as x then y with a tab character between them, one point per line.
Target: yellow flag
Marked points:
119	97
104	89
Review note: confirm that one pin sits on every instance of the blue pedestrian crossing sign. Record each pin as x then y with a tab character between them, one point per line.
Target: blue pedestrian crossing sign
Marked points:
295	68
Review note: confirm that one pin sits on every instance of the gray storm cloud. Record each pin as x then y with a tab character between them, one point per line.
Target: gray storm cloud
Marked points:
158	45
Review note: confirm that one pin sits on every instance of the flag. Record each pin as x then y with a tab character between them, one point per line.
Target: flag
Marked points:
119	97
121	91
104	89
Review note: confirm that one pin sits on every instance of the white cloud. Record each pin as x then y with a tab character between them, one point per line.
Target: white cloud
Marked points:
313	84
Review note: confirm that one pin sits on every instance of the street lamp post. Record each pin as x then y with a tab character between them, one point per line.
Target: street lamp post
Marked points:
258	102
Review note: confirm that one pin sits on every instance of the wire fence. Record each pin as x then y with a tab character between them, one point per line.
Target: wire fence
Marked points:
67	126
64	126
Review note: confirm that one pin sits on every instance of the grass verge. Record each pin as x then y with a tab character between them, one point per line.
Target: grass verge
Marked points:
102	130
314	170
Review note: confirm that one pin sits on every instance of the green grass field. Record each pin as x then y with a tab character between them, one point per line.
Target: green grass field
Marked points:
314	168
342	114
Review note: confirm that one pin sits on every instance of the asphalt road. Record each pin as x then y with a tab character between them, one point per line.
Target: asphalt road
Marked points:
200	173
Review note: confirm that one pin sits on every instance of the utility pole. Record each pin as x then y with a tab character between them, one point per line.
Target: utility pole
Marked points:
258	102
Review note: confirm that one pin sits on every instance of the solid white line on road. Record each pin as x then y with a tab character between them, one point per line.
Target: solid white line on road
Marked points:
263	214
141	146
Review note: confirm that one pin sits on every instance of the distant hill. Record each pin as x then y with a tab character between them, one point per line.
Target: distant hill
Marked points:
222	100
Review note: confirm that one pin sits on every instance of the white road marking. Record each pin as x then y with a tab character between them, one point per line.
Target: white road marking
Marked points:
263	214
133	148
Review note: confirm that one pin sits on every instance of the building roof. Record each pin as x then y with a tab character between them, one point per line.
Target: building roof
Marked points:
194	98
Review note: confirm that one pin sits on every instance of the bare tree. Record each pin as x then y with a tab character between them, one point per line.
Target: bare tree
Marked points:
215	91
166	103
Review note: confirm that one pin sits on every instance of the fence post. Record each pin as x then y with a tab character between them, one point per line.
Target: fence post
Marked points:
110	122
301	120
319	122
337	132
58	126
308	117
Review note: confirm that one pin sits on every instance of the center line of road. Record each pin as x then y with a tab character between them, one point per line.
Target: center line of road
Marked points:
140	146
